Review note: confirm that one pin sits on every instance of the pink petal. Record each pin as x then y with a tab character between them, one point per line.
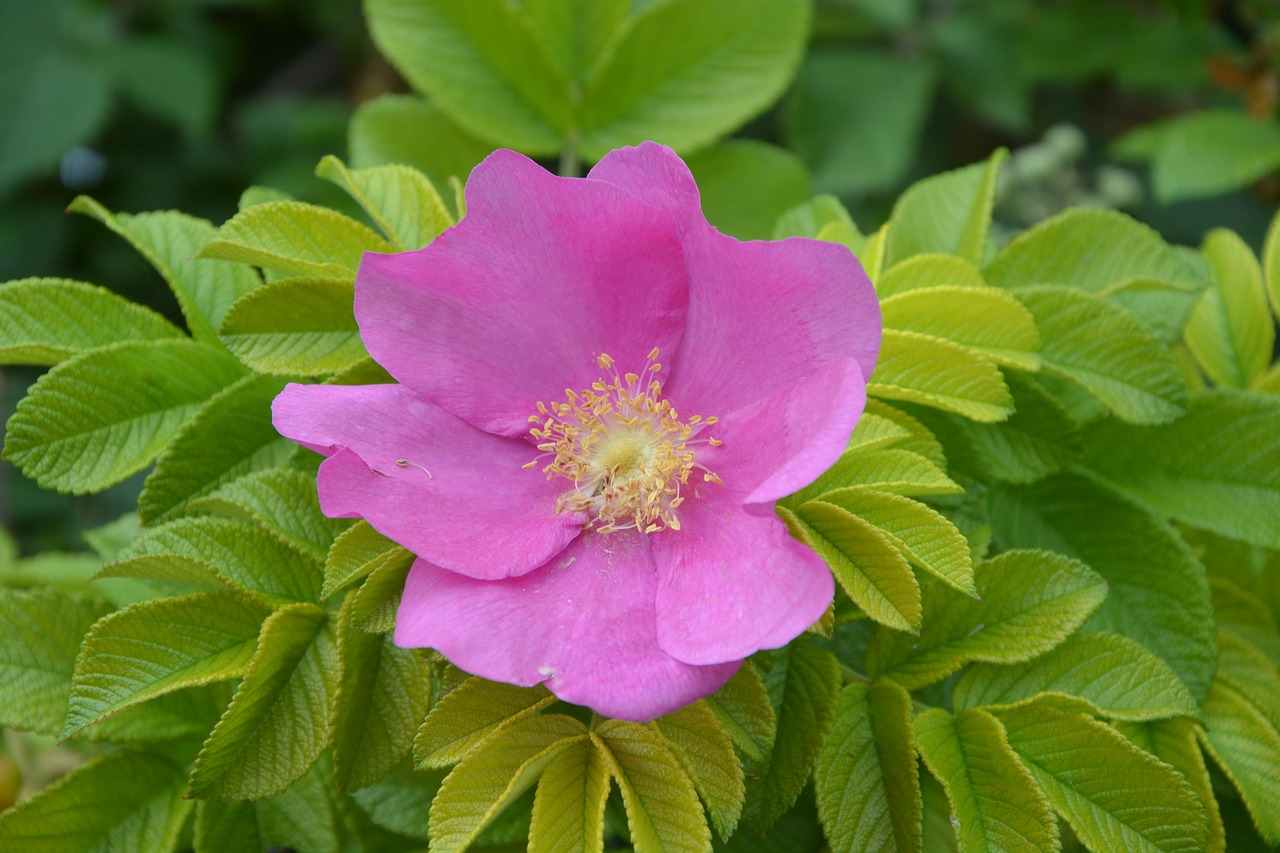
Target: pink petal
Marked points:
584	624
512	305
477	512
762	315
777	446
733	581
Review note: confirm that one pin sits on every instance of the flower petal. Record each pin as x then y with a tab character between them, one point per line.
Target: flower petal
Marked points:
762	315
477	512
777	446
512	305
733	581
584	624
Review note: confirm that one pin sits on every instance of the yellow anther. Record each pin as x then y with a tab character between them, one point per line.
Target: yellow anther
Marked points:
653	353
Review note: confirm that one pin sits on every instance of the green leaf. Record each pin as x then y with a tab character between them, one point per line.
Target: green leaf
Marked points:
811	217
1174	743
663	812
863	559
1206	153
469	715
121	801
948	213
688	73
229	436
938	832
220	552
1095	672
986	320
67	435
1105	349
866	781
169	240
928	270
1244	740
857	135
157	647
401	801
702	746
1230	332
40	636
924	536
184	715
284	501
296	327
745	185
893	470
935	372
996	803
493	775
576	33
166	78
255	194
46	320
1217	468
742	706
803	683
277	724
359	551
400	200
378	598
1158	594
303	817
1271	264
919	438
381	700
411	130
293	237
1114	795
73	573
1031	601
568	811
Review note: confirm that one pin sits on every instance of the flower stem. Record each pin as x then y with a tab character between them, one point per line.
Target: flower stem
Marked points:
569	163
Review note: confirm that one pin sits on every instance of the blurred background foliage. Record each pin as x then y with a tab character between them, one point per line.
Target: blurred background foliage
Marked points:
1164	108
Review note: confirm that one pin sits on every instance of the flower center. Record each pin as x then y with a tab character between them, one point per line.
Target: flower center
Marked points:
625	449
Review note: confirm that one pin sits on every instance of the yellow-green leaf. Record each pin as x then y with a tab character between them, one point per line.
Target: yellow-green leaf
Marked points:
469	715
400	200
935	372
568	809
987	320
1230	332
293	237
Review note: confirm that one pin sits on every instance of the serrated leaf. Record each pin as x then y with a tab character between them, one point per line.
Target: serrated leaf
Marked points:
948	213
471	713
1271	264
1092	671
810	217
73	573
1217	468
40	636
357	552
702	746
923	535
303	817
184	715
1244	614
411	130
804	682
169	240
893	470
663	812
996	803
937	830
1174	743
987	320
1158	594
866	781
934	372
283	500
400	200
687	73
378	598
121	801
1230	331
298	326
1106	350
742	706
1031	601
293	237
1114	795
568	811
229	436
67	435
401	801
491	777
1245	742
381	700
277	724
920	439
865	562
46	320
161	646
927	271
220	552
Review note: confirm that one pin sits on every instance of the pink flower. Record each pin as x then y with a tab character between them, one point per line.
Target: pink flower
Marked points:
601	397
